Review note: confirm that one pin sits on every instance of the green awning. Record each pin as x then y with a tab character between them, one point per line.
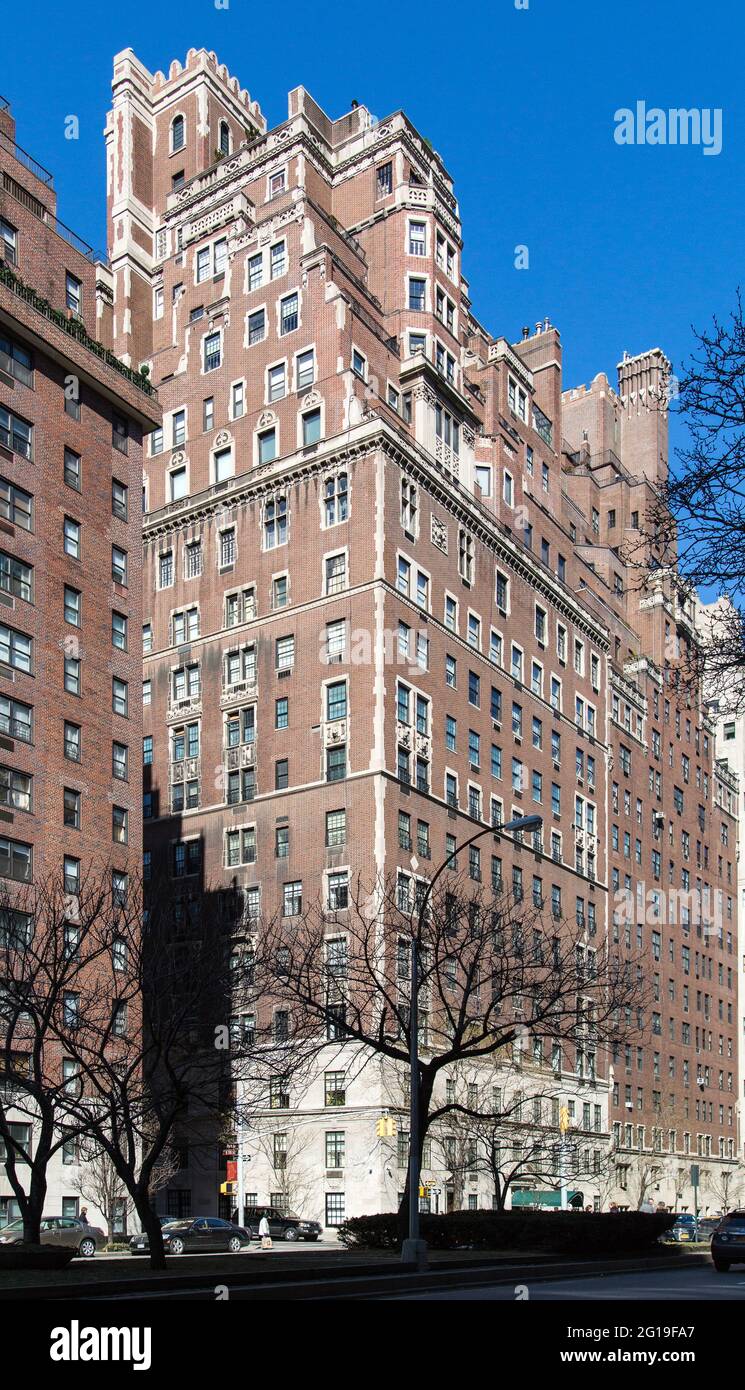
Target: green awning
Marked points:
525	1198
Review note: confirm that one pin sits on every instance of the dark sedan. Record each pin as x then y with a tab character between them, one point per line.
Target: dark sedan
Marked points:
282	1226
728	1242
202	1236
60	1230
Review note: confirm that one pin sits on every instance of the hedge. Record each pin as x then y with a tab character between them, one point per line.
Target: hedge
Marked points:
553	1232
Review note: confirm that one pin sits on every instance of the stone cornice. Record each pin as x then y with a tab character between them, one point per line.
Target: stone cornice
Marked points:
372	436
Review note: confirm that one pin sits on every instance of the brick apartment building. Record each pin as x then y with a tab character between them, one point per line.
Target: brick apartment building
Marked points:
385	601
72	419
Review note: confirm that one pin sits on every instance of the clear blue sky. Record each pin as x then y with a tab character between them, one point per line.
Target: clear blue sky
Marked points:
628	245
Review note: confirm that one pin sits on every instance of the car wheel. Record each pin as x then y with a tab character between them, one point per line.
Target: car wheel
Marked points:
87	1248
176	1247
234	1244
290	1233
721	1266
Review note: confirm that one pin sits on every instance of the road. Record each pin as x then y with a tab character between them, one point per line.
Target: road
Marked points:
656	1286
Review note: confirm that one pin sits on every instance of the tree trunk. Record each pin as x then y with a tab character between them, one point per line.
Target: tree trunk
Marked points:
425	1099
153	1230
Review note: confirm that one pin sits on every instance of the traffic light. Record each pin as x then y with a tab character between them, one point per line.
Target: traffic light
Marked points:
228	1189
386	1127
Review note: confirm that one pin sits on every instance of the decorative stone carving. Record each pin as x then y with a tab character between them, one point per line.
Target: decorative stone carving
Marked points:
178	458
222	439
439	534
266	419
312	398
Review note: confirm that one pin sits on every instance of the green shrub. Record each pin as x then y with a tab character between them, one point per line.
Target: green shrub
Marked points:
554	1232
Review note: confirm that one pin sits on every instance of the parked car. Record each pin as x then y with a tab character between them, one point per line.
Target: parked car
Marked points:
282	1226
200	1236
685	1228
707	1225
60	1230
728	1241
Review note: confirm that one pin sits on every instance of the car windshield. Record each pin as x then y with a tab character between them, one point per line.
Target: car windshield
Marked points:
13	1226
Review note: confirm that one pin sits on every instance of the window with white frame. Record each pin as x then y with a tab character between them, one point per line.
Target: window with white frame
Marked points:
336	499
305	369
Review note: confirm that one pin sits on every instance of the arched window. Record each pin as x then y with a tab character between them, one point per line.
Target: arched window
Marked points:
178	133
224	138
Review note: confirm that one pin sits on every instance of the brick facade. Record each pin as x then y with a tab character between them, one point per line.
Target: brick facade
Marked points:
66	574
344	443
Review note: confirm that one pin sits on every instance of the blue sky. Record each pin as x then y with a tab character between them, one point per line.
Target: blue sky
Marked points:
628	245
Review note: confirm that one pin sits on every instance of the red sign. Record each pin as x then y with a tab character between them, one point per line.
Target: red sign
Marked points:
231	1173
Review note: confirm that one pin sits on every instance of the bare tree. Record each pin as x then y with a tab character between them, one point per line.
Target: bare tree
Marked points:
48	957
727	1184
491	970
507	1123
697	523
158	1046
294	1174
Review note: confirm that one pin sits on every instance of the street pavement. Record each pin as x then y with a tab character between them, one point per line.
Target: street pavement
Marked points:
655	1285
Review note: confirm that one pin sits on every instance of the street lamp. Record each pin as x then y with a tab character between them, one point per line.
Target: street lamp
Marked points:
414	1250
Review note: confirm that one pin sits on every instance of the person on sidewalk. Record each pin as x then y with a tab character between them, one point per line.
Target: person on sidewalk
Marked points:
266	1240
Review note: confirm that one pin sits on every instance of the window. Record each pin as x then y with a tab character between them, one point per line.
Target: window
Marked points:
267	440
227	548
277	260
285	653
178	134
165	569
15	789
8	242
118	565
335	567
120	696
275	523
16	577
16	860
256	327
119	631
71	808
305	369
289	317
212	352
384	179
16	505
335	1201
292	899
120	434
73	293
16	649
311	427
417	238
417	293
336	637
72	741
72	605
71	537
72	675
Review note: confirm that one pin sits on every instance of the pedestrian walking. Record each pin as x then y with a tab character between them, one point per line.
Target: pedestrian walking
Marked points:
266	1240
84	1214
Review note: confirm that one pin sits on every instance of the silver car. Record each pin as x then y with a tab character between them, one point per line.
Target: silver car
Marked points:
60	1230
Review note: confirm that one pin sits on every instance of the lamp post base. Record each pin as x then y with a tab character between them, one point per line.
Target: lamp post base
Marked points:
415	1252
